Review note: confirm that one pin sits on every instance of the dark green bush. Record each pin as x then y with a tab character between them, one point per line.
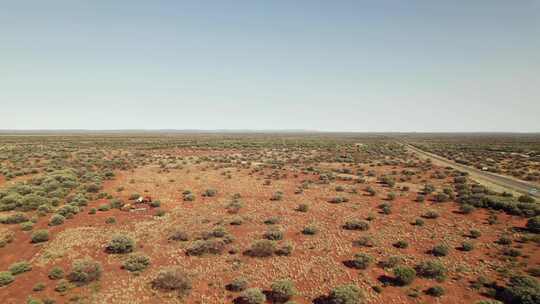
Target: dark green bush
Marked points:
361	261
202	247
40	236
533	224
19	267
56	273
253	296
84	271
6	278
440	250
346	294
282	290
120	244
404	275
522	289
262	248
173	279
435	291
431	269
238	284
136	263
356	225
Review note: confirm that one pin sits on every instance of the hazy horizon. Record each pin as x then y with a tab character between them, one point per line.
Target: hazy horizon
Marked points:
345	66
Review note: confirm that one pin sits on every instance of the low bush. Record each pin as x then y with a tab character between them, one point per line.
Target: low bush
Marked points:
203	247
40	236
346	294
253	296
273	234
432	270
404	275
440	250
467	246
361	261
238	284
302	208
285	249
84	271
173	279
401	244
282	290
19	267
120	244
56	273
6	278
363	241
522	289
310	230
356	225
435	291
136	263
56	220
179	235
533	224
262	248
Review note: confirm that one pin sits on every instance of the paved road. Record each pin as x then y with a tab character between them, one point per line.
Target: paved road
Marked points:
492	180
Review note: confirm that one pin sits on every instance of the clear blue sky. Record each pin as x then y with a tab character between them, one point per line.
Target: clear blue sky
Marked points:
322	65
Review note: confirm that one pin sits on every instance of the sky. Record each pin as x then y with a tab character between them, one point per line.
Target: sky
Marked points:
369	66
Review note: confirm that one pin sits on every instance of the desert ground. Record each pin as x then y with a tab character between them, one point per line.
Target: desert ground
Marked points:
262	218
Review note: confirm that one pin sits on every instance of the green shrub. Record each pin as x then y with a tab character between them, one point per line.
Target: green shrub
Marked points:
431	214
84	271
136	263
310	230
435	291
62	286
285	249
419	222
253	296
202	247
179	235
302	208
475	233
16	218
466	209
56	273
440	250
404	275
401	244
361	261
209	192
346	294
273	234
56	220
356	225
6	278
262	248
282	290
363	241
27	226
431	269
19	267
467	246
522	289
238	284
173	279
120	244
39	287
40	236
272	220
533	224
